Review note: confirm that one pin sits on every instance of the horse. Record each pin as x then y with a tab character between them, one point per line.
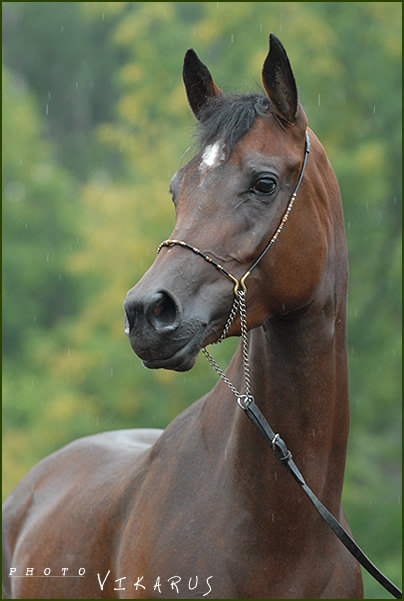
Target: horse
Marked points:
203	509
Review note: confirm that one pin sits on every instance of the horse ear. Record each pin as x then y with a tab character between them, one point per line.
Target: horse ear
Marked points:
279	82
198	82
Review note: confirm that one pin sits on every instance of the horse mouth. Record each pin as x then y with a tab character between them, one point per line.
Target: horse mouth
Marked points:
182	359
177	353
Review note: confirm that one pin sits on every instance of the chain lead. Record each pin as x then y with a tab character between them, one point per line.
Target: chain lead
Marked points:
230	320
239	305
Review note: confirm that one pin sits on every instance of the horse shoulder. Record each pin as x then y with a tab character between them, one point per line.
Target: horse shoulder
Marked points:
76	487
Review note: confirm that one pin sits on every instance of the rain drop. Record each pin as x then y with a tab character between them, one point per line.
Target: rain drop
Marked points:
126	328
318	99
15	191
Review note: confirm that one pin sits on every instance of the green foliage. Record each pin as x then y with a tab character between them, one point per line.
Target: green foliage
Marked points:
39	203
95	122
66	60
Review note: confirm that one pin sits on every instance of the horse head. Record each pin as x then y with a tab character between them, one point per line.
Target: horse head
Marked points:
229	200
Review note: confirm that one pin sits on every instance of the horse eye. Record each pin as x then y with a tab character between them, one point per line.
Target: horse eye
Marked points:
265	185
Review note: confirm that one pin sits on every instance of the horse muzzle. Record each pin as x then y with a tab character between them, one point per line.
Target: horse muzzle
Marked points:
158	332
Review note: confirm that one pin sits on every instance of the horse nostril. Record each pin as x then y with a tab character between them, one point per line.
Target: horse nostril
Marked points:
158	309
162	312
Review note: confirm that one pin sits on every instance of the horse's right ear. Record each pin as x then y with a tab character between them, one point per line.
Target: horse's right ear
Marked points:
198	82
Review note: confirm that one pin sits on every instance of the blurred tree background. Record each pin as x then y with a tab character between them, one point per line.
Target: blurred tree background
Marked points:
95	122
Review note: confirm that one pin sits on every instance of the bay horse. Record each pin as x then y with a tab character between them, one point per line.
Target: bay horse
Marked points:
203	509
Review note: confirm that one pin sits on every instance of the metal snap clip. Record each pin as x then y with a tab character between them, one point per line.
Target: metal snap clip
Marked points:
244	400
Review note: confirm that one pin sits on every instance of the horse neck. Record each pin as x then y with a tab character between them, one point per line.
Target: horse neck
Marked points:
299	380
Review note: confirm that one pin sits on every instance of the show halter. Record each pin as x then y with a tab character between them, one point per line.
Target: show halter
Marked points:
240	284
246	400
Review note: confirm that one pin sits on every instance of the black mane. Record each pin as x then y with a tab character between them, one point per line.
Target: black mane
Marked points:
229	117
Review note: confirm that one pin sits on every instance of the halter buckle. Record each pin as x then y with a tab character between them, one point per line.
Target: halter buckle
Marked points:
280	449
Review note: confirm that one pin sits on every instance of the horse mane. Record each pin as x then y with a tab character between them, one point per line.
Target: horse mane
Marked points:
228	117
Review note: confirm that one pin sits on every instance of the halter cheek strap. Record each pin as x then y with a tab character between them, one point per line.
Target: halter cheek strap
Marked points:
240	284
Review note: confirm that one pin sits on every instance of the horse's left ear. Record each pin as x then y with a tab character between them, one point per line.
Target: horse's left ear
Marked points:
198	82
279	82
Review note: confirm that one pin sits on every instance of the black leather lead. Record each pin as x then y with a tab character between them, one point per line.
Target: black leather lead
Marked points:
283	454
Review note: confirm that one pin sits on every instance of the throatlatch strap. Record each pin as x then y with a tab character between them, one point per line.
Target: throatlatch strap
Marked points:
283	454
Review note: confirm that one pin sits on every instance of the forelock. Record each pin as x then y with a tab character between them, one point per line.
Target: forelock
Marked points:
228	118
